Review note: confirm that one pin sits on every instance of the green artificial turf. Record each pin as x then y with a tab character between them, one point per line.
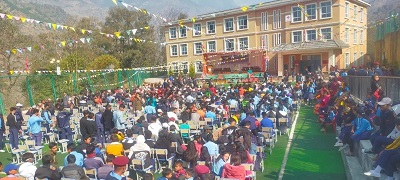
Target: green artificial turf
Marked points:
312	155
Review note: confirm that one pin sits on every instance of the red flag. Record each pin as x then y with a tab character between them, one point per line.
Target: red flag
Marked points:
26	64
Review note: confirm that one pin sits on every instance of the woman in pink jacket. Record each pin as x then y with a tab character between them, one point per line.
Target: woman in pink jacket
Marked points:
234	169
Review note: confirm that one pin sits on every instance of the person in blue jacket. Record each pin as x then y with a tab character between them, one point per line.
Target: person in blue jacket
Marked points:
63	123
361	130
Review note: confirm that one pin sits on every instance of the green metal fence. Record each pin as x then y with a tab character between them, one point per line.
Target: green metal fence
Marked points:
36	87
391	24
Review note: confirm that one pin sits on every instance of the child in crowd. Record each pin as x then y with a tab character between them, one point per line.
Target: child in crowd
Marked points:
11	170
189	174
179	172
119	134
115	148
166	174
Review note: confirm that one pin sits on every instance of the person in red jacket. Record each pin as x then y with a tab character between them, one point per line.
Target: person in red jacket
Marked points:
234	169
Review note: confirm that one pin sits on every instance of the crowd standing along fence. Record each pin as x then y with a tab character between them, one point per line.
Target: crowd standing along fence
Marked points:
361	85
29	89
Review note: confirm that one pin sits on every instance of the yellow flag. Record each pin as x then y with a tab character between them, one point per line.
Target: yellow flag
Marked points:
23	19
244	8
115	2
83	31
9	16
72	28
146	27
65	27
193	19
14	51
118	34
63	43
137	40
54	26
11	72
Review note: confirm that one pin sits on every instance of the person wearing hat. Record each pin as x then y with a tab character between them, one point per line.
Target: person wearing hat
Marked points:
387	117
361	71
28	168
120	167
352	71
361	128
18	113
11	170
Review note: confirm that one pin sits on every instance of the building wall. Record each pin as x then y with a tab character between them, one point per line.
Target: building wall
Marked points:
257	33
387	50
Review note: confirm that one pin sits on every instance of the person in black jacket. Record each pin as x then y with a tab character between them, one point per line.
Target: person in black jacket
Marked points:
88	126
63	119
47	170
2	129
107	119
83	123
15	128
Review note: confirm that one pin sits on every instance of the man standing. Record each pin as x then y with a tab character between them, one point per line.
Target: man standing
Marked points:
119	119
83	123
2	129
107	119
34	127
63	119
100	127
46	115
18	113
15	128
65	100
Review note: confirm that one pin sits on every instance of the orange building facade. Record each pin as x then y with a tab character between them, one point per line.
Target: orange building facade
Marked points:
275	36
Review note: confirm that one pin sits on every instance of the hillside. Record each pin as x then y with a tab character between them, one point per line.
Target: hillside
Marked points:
58	9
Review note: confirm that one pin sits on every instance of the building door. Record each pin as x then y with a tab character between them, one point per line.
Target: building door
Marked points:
312	63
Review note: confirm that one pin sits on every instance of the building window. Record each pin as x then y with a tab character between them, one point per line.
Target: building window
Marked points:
228	25
326	9
355	13
297	36
278	14
277	39
311	35
182	32
243	43
296	14
211	46
199	66
173	50
355	59
172	32
229	45
355	36
326	33
346	35
242	22
184	67
277	19
311	11
347	59
264	21
184	50
362	36
361	14
175	67
264	42
197	29
198	48
211	27
346	9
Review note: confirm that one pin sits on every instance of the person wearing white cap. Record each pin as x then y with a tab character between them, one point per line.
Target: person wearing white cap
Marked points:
18	113
387	117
